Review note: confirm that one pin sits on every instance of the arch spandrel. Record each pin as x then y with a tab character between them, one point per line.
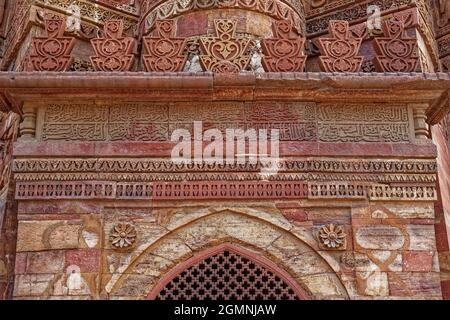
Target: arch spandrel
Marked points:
189	242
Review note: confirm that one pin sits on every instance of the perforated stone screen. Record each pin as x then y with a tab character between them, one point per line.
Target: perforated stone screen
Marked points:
227	276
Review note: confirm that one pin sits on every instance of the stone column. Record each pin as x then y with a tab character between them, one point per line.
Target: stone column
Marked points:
421	127
28	126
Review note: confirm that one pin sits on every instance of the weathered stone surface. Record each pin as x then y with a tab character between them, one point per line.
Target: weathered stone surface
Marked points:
45	262
42	235
415	284
32	284
136	286
87	260
373	283
249	230
418	261
422	237
323	286
308	263
152	265
380	237
172	248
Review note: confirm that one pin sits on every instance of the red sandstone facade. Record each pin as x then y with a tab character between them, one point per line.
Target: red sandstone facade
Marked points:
92	206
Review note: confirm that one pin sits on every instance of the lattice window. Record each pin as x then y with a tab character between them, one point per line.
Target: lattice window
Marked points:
227	276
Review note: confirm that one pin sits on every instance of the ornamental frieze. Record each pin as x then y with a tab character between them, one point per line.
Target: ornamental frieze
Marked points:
165	165
155	122
220	190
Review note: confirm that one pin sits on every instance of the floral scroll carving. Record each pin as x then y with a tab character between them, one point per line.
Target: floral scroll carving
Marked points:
53	52
224	53
396	52
332	237
113	52
123	236
284	52
165	52
340	51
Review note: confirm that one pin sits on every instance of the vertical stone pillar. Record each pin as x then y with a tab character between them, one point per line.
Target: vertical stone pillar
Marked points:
421	128
28	126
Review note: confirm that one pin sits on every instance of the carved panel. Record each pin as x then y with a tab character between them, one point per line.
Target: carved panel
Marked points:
339	52
165	52
396	52
284	52
296	121
113	52
53	53
224	53
363	123
211	190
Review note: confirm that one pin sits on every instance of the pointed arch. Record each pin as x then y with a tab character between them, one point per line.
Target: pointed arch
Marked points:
268	238
291	288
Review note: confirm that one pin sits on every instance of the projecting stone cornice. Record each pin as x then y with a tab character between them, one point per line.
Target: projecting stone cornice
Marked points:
431	89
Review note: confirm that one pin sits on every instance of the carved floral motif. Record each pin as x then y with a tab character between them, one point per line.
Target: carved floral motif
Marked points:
224	53
53	53
283	52
332	237
339	52
123	235
113	52
396	52
165	52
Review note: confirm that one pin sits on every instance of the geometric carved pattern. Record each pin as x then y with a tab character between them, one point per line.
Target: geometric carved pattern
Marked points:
165	52
283	53
227	276
396	52
113	52
224	53
208	190
339	53
52	53
296	121
152	165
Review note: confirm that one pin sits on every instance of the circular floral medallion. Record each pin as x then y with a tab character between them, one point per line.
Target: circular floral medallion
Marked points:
332	236
123	235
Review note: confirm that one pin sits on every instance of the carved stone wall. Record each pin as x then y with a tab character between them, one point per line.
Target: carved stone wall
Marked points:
358	209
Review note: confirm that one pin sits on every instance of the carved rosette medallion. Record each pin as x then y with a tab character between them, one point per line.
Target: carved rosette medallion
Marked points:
332	237
123	236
